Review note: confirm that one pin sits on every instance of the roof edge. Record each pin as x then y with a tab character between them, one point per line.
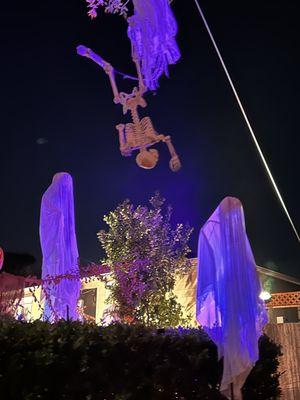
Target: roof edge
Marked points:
269	272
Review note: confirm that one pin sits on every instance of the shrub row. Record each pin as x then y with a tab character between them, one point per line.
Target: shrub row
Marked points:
70	360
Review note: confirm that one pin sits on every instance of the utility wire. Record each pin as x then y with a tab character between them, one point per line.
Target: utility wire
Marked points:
267	168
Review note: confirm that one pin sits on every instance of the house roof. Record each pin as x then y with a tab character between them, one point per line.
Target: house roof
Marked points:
278	275
269	272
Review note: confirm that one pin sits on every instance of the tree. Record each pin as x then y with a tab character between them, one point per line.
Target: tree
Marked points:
19	263
109	6
144	254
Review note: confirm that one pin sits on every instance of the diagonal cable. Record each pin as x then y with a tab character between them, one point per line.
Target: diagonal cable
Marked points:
267	168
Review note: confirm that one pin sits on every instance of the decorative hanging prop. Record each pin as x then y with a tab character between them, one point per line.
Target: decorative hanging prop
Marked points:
140	133
152	29
227	304
59	247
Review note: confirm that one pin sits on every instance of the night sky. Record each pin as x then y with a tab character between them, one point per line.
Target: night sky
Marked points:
57	115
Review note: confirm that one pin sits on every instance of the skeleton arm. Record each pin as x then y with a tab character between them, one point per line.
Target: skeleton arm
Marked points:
142	87
86	52
175	163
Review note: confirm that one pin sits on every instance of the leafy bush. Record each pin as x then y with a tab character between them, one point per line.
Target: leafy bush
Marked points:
70	360
144	254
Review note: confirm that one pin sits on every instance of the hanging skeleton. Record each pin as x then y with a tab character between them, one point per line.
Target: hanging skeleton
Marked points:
140	133
151	29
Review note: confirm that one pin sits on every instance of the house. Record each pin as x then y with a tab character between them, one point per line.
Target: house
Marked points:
282	296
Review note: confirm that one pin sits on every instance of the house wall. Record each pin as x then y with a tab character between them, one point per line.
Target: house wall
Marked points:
275	285
185	289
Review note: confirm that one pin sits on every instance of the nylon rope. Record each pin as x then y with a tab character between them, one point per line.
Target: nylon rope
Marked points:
267	168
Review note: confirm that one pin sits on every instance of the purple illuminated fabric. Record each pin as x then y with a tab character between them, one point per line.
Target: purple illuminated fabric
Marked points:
228	288
152	30
59	247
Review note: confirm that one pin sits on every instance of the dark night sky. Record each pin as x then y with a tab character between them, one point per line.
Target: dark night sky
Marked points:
47	91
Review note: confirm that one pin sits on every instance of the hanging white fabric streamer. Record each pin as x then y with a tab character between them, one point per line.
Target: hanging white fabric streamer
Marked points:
152	30
59	247
228	305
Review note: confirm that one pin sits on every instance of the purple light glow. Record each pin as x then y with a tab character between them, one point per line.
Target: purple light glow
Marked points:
228	288
59	247
152	30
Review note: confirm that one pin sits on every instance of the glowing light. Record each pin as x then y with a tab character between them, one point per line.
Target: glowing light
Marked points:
265	296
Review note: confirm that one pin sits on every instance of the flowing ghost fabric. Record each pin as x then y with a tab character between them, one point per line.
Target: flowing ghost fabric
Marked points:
228	305
152	30
59	247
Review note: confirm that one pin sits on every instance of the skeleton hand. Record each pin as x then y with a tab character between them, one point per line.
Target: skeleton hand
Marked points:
175	164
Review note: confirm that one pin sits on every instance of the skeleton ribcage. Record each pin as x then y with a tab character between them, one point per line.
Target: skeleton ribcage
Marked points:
136	135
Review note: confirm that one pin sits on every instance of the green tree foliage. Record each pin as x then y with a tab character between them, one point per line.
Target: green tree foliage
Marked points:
144	254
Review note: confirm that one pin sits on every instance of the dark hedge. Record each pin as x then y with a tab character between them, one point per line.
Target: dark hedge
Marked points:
70	360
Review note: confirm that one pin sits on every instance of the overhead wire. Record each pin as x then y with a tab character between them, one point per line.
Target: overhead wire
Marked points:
253	136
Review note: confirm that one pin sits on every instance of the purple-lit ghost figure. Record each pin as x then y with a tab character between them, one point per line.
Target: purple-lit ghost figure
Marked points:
227	303
152	30
59	248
